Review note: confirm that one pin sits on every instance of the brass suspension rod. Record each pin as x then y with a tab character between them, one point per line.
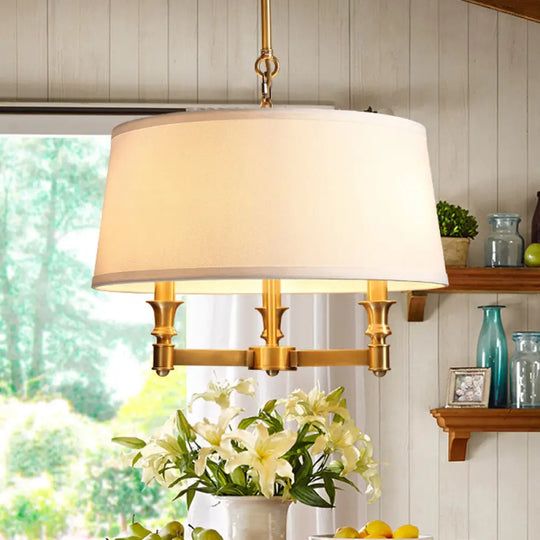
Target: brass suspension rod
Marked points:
266	25
266	65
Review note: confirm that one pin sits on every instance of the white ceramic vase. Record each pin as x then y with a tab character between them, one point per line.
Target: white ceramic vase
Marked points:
257	518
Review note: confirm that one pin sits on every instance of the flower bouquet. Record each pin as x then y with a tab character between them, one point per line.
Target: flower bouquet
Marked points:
294	449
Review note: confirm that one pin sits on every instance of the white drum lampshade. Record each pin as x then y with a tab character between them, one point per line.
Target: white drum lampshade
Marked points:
217	201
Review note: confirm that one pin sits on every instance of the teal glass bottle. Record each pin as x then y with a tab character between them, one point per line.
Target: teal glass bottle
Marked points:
492	352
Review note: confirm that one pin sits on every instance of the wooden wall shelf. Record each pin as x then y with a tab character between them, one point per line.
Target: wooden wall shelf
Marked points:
478	280
460	423
528	9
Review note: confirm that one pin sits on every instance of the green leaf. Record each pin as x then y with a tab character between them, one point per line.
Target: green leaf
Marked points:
305	469
348	482
270	406
309	496
335	395
230	489
218	473
182	444
180	479
130	442
330	489
184	427
138	456
246	422
190	495
238	476
192	487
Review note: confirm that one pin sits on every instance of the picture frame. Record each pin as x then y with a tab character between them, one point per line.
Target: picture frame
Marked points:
468	387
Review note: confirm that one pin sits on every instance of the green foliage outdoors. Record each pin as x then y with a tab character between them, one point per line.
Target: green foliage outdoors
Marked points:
65	477
114	494
51	188
33	508
455	221
59	473
42	451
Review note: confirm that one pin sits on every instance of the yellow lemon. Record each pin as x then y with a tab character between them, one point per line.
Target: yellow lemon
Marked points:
363	533
378	528
347	532
406	531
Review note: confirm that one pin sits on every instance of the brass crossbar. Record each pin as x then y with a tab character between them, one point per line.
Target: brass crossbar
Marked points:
242	358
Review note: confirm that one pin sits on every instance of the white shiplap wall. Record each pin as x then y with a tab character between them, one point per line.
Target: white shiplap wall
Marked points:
472	76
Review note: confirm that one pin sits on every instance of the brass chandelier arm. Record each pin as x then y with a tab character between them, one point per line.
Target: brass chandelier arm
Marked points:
331	357
272	357
211	357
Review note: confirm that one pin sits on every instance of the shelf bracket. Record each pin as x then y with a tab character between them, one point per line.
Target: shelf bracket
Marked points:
457	444
416	306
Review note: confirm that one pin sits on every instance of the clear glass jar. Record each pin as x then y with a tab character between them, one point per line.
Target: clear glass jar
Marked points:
504	246
525	371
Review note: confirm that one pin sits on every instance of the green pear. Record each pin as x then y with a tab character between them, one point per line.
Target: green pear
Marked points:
171	530
195	533
136	529
128	538
209	534
152	536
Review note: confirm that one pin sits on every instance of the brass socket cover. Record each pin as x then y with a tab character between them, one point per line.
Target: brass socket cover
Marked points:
272	358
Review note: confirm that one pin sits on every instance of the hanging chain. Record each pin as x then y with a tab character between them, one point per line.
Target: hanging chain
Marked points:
266	65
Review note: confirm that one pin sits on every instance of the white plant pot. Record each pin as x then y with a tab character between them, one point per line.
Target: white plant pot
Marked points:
256	518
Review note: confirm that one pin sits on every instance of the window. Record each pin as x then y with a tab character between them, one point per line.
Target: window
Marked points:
74	363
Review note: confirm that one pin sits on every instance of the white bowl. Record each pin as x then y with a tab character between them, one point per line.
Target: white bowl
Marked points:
331	537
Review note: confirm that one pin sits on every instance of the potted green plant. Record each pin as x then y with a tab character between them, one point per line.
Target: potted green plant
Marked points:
458	227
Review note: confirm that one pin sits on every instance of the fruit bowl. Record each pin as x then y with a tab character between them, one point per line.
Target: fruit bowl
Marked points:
331	537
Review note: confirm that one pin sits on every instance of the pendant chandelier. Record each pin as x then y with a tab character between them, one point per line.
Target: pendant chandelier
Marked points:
269	201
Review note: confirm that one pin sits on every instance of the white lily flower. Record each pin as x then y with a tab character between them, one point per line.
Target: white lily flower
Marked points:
245	386
368	468
213	434
340	438
155	456
263	454
220	392
314	407
356	452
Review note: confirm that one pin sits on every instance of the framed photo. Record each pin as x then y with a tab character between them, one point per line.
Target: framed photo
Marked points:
468	387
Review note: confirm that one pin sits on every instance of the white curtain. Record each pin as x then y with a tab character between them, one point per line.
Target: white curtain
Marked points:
319	321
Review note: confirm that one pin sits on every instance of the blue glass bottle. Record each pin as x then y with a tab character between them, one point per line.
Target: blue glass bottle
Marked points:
492	352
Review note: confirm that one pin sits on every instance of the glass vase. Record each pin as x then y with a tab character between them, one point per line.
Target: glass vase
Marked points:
257	518
492	352
525	371
504	246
